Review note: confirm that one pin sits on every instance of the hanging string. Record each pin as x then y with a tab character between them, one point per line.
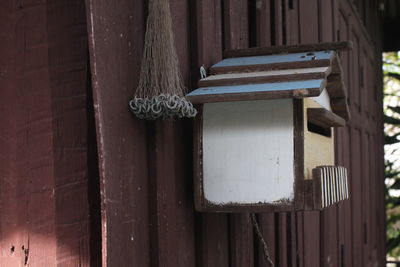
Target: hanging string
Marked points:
260	237
160	92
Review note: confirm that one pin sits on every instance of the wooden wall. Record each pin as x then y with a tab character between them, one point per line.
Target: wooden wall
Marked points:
64	153
44	208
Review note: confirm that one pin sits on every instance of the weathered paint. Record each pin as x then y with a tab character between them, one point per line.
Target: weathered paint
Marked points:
248	155
252	88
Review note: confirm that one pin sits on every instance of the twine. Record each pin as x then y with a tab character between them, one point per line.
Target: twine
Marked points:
260	237
162	106
160	92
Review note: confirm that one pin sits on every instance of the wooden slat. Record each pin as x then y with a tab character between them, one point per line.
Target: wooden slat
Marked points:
341	108
265	77
268	224
299	151
356	197
66	26
44	217
241	240
324	118
308	194
212	237
123	180
309	22
299	89
257	51
236	24
273	62
329	183
283	245
263	23
318	189
335	86
212	240
312	238
25	139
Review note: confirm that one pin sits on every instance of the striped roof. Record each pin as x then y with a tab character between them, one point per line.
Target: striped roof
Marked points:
290	75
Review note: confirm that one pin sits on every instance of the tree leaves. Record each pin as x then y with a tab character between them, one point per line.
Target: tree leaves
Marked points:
391	68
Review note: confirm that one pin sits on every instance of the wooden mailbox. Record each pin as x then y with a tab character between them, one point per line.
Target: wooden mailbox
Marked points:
263	138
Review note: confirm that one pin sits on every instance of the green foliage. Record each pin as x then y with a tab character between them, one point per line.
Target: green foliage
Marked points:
391	70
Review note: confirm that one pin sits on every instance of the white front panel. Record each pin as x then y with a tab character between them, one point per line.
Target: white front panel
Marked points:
248	151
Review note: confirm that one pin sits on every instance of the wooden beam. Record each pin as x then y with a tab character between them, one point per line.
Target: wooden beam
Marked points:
265	77
256	51
340	107
324	118
335	86
299	89
270	66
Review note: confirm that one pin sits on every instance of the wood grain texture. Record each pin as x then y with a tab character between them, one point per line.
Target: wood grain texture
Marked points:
264	77
212	247
324	118
298	89
68	82
43	133
286	49
123	172
340	107
273	62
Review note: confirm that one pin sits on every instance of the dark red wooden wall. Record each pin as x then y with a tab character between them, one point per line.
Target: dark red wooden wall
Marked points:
68	144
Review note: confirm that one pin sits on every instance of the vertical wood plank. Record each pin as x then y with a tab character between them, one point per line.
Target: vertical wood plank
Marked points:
263	22
344	212
283	256
311	237
236	35
268	222
241	240
292	22
309	21
172	229
13	136
236	24
277	22
354	90
356	197
172	216
309	33
45	143
212	238
300	239
69	106
326	21
329	217
366	197
121	146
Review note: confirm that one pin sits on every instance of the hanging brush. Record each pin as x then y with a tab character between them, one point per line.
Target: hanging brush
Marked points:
160	93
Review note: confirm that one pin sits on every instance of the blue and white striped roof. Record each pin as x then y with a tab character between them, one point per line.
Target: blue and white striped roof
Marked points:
294	75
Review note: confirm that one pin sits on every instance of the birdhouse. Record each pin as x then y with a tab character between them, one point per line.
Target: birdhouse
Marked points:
263	137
